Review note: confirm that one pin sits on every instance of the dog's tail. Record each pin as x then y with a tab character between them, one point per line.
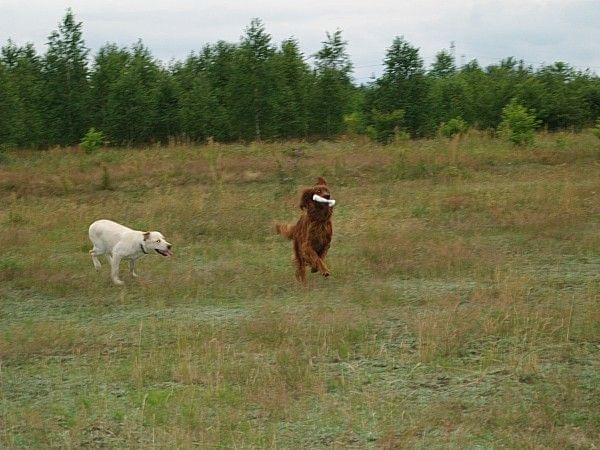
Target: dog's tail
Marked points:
285	230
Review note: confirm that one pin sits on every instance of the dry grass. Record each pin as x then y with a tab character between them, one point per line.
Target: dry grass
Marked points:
462	310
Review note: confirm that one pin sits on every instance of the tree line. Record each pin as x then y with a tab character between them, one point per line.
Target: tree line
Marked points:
257	90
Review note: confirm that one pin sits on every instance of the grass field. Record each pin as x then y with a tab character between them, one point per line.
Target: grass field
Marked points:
462	311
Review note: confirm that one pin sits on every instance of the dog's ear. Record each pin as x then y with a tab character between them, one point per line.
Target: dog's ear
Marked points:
146	235
322	181
306	198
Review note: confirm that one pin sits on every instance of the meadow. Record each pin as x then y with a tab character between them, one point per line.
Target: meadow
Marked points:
462	311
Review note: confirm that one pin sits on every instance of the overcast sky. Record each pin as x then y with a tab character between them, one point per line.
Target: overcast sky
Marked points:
535	31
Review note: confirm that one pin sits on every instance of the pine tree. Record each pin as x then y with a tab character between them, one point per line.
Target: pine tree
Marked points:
252	83
473	80
332	88
109	64
167	108
290	102
444	65
403	86
12	128
66	89
447	99
402	62
561	101
255	90
219	62
206	85
131	109
24	74
200	114
446	92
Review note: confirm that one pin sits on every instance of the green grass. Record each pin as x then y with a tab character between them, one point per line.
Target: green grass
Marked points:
462	311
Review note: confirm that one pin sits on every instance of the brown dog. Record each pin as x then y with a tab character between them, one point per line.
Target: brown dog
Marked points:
313	231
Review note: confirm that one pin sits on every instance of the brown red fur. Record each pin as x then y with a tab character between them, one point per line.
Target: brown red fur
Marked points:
312	233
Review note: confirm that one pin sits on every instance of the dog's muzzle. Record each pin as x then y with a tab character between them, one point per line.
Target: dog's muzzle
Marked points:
166	252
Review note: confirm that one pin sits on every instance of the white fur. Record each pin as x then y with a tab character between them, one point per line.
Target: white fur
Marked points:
318	198
118	242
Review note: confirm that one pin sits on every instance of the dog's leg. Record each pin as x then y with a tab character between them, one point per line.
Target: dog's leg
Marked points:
315	261
300	264
114	269
94	253
322	257
132	268
301	271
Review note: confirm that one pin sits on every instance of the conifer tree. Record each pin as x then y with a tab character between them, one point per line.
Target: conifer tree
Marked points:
290	101
12	128
131	111
109	64
402	87
24	78
444	65
331	88
254	90
66	88
252	83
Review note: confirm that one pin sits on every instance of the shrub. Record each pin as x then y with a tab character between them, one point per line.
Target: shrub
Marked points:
454	126
92	140
518	124
387	127
371	132
354	123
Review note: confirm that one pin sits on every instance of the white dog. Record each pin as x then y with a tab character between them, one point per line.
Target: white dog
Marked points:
118	242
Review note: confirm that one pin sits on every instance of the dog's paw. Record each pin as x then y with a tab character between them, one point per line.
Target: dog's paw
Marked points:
326	274
118	282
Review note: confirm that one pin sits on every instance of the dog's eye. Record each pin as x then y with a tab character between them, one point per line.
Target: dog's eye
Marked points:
158	240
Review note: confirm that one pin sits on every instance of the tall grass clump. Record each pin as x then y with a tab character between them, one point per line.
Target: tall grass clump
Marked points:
105	180
596	129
